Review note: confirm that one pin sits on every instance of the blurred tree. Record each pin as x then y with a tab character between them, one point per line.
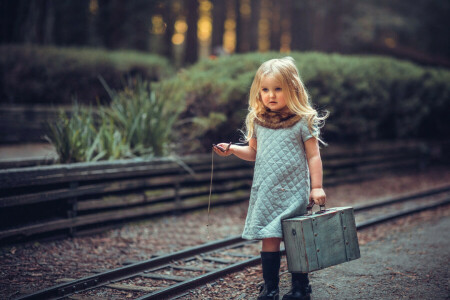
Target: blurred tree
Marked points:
238	20
417	31
255	16
169	17
137	22
285	20
301	25
246	18
218	15
243	25
26	21
398	28
9	10
332	25
275	25
71	21
191	53
126	24
425	25
264	28
318	24
107	28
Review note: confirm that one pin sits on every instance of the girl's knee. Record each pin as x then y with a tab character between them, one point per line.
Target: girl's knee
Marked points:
271	244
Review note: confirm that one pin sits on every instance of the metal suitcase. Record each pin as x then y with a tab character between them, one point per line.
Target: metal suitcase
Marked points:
320	240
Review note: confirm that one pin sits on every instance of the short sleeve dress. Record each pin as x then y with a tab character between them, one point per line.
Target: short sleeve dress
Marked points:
281	182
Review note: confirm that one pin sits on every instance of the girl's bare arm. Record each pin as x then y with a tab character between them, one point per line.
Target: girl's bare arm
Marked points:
243	152
315	169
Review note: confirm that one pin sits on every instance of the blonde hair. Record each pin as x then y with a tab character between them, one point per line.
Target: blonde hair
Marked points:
297	98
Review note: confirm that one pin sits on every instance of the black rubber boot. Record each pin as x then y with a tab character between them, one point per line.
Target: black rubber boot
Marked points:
271	268
301	290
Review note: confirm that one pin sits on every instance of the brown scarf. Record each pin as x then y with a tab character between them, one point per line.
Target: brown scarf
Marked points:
275	120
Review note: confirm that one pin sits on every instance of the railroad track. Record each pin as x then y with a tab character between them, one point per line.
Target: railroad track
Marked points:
173	274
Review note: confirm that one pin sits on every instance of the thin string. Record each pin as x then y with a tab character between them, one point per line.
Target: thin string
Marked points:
210	191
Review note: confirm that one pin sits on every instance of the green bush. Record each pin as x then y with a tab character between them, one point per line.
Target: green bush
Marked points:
144	117
369	97
138	122
50	75
74	136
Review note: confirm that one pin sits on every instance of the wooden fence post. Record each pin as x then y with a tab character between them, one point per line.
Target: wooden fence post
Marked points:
178	204
72	208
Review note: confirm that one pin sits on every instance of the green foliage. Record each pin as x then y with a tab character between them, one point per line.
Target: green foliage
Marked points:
33	74
73	135
110	142
145	119
369	97
138	122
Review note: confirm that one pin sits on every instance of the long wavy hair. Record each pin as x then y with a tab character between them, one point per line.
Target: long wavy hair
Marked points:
297	98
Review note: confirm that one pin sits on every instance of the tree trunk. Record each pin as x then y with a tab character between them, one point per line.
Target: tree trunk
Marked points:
105	23
334	25
301	25
238	26
49	23
244	34
219	13
275	22
137	22
169	20
10	20
30	24
71	22
117	21
254	31
191	36
286	34
316	31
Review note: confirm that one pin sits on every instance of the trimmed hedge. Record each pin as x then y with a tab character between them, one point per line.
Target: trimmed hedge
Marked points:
369	97
50	75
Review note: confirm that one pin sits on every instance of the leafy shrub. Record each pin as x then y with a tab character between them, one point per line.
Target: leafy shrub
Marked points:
73	135
34	74
138	122
144	118
369	97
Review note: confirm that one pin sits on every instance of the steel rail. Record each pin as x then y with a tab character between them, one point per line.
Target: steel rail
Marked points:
119	273
398	199
394	215
98	280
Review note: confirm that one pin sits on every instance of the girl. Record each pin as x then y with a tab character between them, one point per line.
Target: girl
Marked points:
282	130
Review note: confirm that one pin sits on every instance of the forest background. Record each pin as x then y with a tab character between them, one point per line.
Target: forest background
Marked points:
379	67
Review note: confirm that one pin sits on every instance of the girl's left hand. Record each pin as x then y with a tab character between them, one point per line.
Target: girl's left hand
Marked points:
317	196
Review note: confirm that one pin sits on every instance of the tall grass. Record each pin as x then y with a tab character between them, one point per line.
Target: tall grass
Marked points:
144	119
136	123
74	135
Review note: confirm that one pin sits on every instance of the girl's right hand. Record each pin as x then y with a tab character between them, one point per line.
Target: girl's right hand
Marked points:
317	196
226	149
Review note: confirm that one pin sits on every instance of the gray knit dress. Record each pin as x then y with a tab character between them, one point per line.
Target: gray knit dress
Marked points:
281	183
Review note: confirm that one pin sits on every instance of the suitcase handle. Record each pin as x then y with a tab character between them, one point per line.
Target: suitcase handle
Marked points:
310	207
